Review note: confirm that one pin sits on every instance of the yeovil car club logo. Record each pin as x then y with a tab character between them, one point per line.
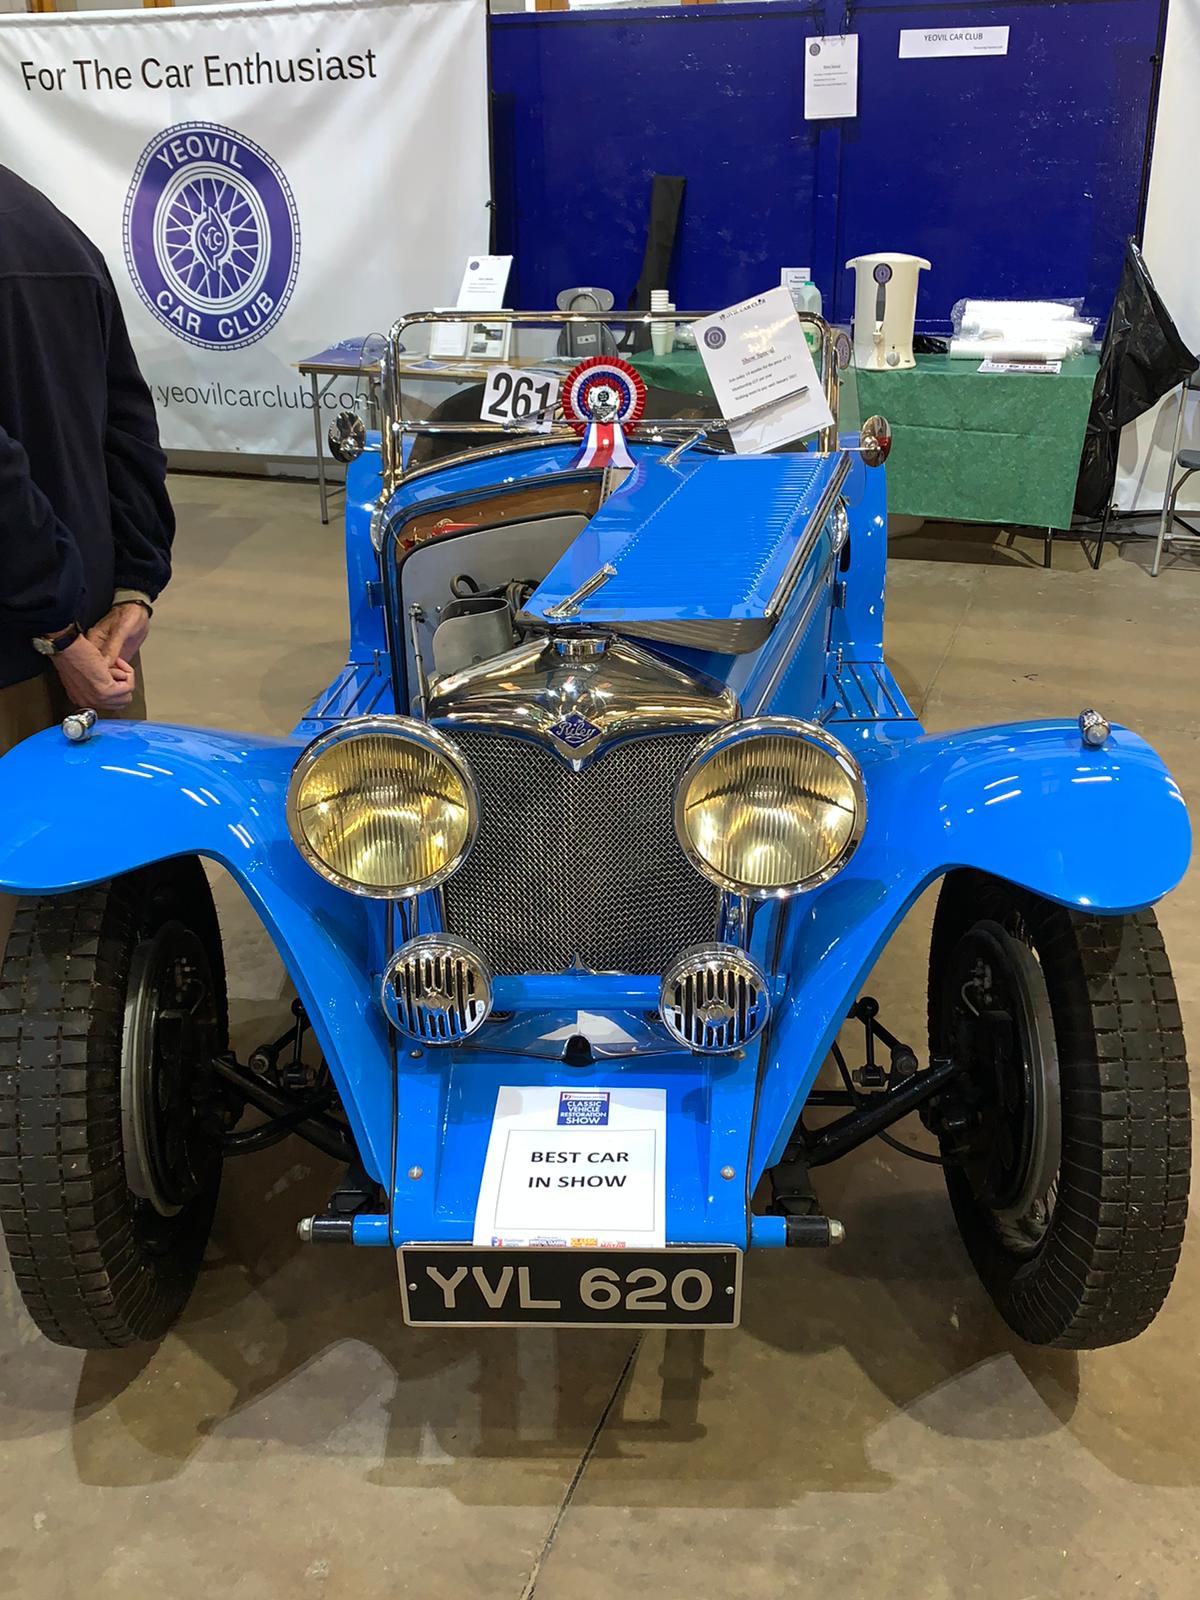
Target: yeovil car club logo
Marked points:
212	238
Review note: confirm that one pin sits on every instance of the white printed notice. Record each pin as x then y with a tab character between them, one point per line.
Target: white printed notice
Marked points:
831	77
575	1167
762	372
917	42
1052	367
484	281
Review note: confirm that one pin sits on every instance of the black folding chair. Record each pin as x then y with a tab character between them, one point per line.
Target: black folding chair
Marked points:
1189	460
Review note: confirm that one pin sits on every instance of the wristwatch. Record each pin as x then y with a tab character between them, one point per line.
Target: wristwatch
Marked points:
55	644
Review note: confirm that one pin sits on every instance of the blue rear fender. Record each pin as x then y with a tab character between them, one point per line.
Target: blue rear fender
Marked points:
1102	830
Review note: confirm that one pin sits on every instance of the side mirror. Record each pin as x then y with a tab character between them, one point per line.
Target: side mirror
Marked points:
875	440
347	436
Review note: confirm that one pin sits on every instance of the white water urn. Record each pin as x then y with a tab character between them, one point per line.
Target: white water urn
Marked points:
885	309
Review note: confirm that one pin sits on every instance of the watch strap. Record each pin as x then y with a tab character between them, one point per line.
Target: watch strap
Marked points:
54	644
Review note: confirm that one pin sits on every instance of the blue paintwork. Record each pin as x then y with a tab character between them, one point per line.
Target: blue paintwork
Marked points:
446	1100
939	160
150	792
364	480
1027	802
733	562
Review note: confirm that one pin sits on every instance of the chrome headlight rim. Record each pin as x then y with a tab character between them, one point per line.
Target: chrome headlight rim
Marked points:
737	733
407	728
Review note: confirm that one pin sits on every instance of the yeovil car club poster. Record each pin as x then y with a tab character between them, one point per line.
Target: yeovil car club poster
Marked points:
263	179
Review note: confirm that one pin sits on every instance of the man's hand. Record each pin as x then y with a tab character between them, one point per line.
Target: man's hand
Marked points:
121	633
90	680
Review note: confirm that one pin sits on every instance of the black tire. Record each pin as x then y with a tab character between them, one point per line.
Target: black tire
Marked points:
1103	1253
96	1265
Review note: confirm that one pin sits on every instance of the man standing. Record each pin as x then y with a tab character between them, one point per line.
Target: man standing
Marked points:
85	521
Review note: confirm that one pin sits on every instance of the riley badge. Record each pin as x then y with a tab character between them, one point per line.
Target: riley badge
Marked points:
601	398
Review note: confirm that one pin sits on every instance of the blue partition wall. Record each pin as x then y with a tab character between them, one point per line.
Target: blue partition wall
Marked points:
588	106
1016	175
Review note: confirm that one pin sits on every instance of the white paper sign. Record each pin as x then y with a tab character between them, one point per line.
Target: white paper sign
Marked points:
524	398
831	76
761	369
575	1167
484	281
1020	366
917	42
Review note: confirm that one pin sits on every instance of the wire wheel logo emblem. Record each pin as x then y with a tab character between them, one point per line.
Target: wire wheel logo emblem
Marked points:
212	239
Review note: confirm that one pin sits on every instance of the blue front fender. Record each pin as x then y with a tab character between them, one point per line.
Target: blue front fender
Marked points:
1100	830
142	792
1103	830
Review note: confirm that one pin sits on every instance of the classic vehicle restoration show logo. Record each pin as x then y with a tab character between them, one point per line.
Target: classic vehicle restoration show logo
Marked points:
212	238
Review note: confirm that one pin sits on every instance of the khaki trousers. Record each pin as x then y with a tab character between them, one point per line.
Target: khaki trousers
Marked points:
25	709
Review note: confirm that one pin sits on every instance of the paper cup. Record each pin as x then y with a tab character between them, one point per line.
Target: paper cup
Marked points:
662	337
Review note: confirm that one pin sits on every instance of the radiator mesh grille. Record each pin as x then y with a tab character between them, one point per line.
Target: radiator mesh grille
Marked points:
578	868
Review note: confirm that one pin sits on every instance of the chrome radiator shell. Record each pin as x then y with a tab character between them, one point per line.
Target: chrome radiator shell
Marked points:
577	691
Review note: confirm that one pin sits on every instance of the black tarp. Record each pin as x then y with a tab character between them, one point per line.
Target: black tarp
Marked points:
1142	359
666	202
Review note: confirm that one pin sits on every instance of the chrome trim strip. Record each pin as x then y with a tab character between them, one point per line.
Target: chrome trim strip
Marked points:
762	700
807	540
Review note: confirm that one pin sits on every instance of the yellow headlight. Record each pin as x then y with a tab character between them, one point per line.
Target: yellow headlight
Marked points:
383	807
770	807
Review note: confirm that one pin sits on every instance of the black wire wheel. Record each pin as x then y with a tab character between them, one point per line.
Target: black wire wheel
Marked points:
112	1007
1067	1140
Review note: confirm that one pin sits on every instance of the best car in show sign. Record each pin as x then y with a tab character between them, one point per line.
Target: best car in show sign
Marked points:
221	159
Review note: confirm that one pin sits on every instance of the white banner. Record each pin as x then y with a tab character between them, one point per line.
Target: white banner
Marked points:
264	180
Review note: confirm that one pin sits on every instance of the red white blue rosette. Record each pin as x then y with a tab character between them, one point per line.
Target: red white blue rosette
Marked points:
601	398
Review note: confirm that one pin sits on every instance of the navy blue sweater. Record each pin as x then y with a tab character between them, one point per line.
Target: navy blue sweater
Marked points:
83	499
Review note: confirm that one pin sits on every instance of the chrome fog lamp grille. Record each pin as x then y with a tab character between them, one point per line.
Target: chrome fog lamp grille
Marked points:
437	988
714	999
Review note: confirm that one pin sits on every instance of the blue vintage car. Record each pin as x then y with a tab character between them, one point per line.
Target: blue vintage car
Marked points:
578	868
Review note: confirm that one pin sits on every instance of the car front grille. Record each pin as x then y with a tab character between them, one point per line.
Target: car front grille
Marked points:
578	869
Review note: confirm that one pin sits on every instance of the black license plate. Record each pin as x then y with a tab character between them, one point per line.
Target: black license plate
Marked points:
465	1285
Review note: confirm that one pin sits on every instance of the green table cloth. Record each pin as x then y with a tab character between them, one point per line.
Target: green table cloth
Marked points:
968	446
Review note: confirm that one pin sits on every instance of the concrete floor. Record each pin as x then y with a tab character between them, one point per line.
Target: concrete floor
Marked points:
871	1429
